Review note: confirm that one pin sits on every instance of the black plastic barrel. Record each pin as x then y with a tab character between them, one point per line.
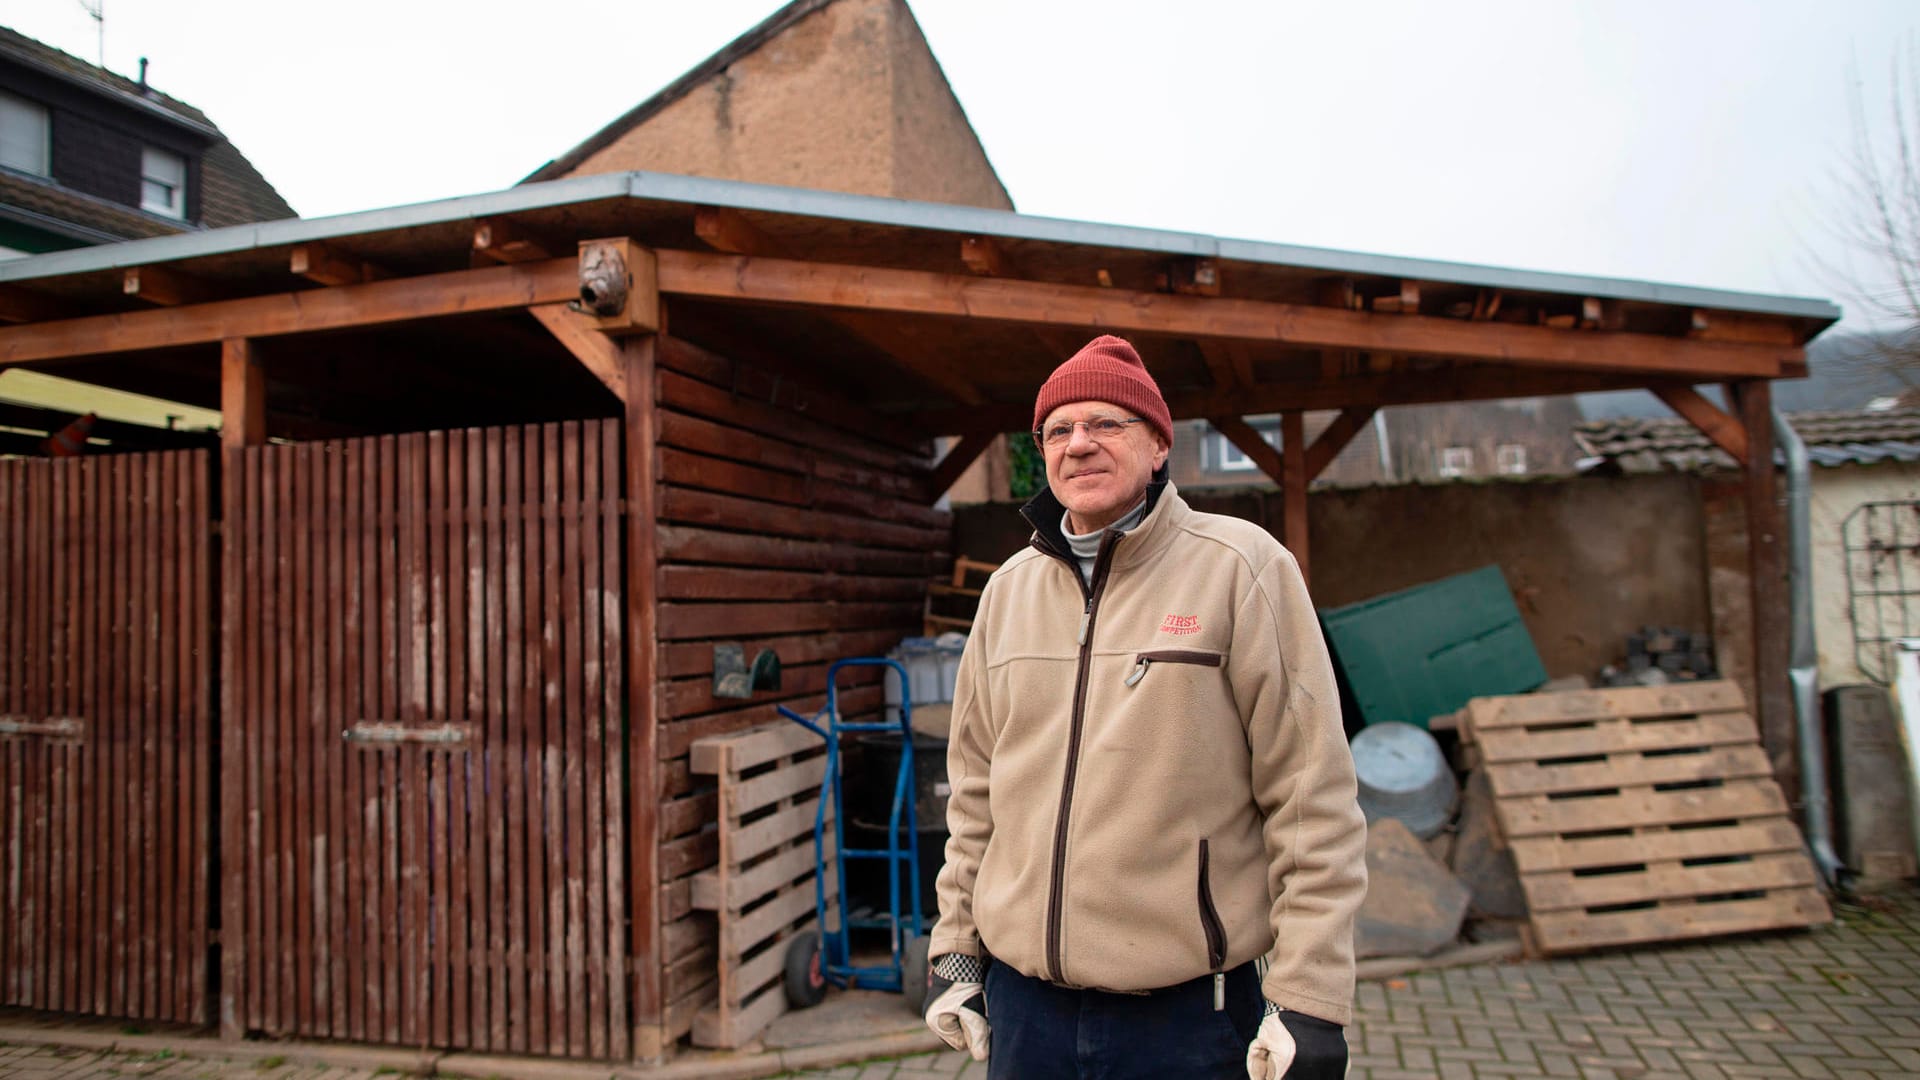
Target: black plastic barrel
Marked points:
872	764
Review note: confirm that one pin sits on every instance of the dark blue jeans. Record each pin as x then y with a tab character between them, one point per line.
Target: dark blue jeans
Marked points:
1042	1031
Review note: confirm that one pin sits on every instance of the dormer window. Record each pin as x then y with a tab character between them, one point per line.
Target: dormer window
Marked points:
24	143
163	183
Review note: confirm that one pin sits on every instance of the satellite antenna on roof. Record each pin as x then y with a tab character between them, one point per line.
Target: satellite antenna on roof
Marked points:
97	9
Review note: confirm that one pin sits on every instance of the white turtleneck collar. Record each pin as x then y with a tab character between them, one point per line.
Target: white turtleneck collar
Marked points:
1087	547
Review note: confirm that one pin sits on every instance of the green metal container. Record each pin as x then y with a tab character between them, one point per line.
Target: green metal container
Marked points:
1420	652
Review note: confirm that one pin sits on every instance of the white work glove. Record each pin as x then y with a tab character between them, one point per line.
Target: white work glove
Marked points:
957	1003
1271	1054
1295	1045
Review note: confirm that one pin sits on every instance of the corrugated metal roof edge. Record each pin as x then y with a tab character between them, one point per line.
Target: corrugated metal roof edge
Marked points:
875	210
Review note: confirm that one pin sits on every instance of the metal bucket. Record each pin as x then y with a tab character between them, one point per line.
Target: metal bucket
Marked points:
1404	775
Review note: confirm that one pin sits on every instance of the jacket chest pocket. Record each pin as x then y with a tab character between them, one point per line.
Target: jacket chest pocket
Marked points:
1143	661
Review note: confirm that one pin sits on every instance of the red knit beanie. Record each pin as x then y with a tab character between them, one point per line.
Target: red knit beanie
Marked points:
1106	369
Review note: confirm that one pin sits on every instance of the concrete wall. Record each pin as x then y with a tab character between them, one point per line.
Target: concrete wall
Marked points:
1836	494
849	99
1589	560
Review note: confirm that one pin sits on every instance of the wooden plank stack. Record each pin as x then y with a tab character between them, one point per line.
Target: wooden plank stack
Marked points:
1641	815
763	887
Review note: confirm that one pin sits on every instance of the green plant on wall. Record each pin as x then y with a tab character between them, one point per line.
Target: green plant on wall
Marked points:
1026	468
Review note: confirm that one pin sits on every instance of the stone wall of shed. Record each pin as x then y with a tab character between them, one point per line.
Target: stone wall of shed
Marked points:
1590	560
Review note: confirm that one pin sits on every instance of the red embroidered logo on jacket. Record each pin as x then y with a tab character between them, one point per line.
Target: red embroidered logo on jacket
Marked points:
1181	624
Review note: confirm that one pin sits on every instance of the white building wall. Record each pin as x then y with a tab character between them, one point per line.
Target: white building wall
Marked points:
1837	493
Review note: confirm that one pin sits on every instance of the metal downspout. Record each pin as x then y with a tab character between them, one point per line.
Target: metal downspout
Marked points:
1803	666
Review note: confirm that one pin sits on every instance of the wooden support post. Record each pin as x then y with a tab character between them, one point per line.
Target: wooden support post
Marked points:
1723	430
1293	488
243	395
1335	438
961	455
639	355
1767	566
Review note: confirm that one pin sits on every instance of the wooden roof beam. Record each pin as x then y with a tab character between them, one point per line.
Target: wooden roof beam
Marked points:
1720	428
779	281
459	292
167	288
501	241
1482	383
328	265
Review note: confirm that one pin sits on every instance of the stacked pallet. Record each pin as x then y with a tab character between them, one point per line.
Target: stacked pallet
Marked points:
763	889
1642	815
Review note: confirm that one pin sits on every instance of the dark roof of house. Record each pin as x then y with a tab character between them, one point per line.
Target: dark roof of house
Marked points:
1670	444
89	218
742	46
232	191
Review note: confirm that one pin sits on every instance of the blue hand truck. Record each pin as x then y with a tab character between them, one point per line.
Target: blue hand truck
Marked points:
815	959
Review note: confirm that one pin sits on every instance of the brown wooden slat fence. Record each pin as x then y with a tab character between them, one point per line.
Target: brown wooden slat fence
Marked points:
790	520
422	776
106	734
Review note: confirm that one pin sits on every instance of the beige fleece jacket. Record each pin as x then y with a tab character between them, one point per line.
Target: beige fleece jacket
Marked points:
1150	780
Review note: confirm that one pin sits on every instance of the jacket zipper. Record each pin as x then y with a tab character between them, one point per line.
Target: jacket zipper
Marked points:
1056	893
1210	918
1170	656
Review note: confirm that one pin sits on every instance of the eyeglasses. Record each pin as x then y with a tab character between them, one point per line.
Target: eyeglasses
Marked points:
1101	429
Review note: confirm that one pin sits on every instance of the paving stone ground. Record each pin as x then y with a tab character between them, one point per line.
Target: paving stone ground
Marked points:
1839	1002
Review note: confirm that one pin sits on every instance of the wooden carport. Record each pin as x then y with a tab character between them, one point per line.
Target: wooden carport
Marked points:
781	363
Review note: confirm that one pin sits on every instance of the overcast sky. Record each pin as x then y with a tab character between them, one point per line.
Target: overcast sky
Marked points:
1691	142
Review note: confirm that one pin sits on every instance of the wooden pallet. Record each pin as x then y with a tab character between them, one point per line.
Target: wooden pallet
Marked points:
1643	814
763	887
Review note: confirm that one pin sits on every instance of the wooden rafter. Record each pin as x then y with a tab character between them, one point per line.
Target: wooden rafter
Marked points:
1336	437
460	292
166	288
984	256
597	352
780	281
329	265
500	240
1724	431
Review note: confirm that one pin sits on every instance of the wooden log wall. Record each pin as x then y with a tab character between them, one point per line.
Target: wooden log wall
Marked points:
423	814
106	735
787	520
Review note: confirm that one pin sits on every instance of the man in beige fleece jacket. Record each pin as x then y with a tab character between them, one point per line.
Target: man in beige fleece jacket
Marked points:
1156	850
